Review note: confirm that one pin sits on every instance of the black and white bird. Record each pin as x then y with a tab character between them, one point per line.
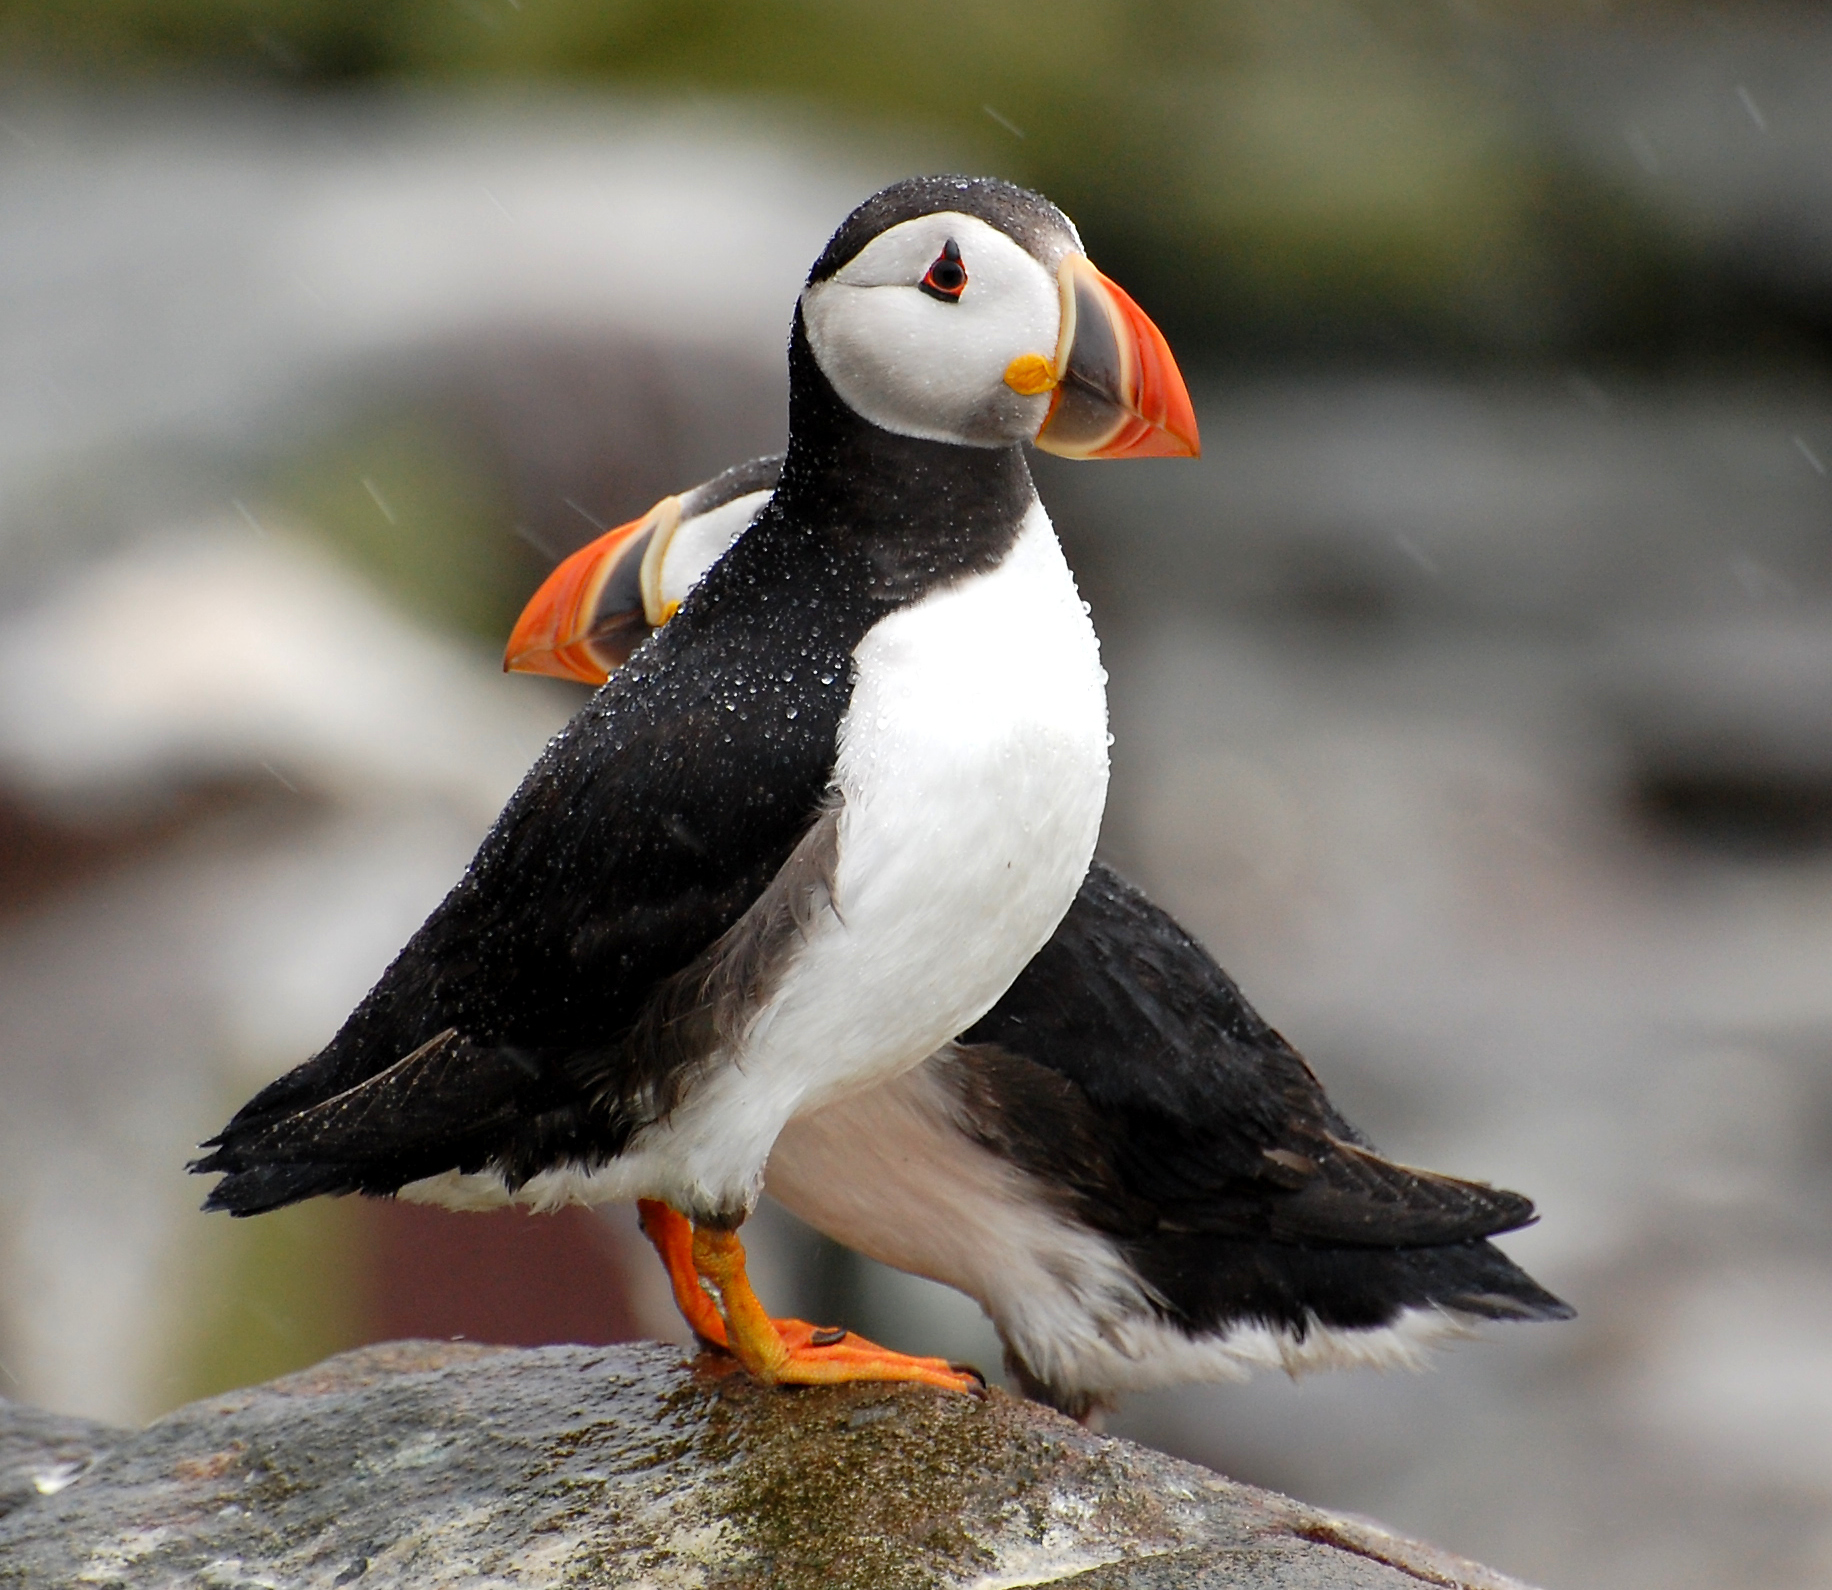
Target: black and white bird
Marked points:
1138	1180
817	825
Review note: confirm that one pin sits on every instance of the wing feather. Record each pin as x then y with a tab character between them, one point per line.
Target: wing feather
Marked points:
614	924
1127	1066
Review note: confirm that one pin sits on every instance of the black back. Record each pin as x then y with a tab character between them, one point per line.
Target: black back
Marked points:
1128	1075
754	474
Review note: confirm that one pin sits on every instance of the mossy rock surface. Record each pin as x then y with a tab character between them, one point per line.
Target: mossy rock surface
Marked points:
452	1466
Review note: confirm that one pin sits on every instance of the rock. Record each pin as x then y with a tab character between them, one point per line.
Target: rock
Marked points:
452	1466
41	1453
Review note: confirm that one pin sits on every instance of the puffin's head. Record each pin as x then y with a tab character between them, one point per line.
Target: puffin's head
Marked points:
603	601
962	309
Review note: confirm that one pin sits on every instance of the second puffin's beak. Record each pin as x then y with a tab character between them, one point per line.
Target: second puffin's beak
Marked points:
1116	392
594	609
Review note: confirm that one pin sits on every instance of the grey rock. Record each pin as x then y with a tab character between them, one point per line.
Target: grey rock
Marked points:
1747	698
461	1467
41	1453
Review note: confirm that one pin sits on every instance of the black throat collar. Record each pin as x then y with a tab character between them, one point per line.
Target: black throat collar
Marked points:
922	512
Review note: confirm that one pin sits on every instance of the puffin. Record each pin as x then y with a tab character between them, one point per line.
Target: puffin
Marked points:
1139	1181
815	826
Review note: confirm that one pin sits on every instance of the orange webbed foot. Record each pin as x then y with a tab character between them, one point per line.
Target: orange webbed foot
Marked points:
705	1263
825	1355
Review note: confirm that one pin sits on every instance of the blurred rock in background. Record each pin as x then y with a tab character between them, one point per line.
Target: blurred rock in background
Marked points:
1471	695
300	415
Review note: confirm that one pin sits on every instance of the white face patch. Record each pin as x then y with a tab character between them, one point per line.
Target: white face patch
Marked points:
921	366
699	542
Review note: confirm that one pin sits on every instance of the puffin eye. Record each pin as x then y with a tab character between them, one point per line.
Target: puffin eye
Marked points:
946	279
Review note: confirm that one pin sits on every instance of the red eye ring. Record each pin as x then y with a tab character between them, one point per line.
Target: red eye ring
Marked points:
946	278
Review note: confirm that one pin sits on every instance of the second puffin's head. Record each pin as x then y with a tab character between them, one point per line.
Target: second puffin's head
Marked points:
962	309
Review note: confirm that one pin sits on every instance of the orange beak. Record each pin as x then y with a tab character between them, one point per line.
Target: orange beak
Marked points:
1116	390
592	611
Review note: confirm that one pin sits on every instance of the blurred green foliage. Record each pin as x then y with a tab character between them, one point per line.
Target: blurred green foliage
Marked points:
420	508
282	1292
1299	173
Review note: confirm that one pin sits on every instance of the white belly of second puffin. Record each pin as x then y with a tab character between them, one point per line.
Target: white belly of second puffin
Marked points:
973	767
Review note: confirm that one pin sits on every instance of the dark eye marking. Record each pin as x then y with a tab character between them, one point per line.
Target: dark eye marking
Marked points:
946	279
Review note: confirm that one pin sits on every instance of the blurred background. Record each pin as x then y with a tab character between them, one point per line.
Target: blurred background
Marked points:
1473	695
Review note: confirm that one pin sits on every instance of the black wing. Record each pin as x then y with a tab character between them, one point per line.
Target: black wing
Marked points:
1126	1064
561	963
511	1030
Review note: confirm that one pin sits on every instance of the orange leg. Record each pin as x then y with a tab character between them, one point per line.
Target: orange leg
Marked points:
672	1234
785	1351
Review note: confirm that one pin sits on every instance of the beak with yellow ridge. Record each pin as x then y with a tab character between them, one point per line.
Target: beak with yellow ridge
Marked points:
1116	391
599	605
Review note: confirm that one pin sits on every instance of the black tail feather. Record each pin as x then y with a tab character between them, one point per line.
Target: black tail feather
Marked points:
447	1105
1477	1278
1209	1283
260	1188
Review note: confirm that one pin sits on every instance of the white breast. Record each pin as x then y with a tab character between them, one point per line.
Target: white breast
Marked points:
973	766
891	1173
973	762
